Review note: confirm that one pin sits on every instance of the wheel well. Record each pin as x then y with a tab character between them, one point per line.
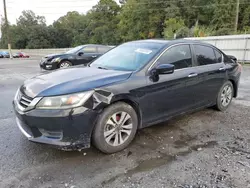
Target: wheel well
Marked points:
135	106
235	87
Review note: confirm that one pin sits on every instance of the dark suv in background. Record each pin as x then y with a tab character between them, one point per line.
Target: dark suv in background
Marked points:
79	55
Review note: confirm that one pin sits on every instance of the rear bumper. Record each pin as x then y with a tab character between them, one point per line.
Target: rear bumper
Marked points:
236	82
65	129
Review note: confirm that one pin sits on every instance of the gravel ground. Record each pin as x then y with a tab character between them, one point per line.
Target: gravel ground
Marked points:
200	150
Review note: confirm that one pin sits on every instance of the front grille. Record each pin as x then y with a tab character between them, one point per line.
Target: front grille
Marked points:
24	100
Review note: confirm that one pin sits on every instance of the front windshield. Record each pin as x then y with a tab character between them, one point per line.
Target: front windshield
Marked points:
129	56
74	50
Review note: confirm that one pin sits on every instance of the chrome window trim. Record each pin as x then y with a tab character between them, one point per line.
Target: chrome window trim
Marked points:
214	48
191	43
155	61
222	59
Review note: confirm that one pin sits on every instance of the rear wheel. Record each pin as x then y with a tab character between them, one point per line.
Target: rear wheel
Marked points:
65	64
115	128
225	96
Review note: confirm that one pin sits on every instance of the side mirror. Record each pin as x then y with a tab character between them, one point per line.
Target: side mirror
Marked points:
232	57
161	69
80	53
164	69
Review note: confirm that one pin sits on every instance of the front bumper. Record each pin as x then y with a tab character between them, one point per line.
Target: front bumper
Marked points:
66	129
46	65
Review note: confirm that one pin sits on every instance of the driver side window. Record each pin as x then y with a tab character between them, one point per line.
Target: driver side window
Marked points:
89	49
180	56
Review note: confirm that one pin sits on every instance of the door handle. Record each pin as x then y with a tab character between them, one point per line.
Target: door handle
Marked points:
94	56
192	75
221	69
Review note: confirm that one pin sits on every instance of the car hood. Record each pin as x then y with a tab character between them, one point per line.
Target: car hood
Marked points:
71	80
57	55
52	55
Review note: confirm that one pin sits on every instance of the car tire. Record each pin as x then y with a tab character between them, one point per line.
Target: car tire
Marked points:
65	64
225	96
115	128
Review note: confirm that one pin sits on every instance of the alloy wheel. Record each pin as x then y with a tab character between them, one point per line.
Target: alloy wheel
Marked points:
118	128
64	65
226	95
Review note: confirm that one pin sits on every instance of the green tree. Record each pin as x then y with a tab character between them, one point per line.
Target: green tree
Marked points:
29	18
19	37
196	11
3	41
30	32
174	27
66	28
244	17
140	19
102	23
223	18
131	21
202	31
38	37
109	23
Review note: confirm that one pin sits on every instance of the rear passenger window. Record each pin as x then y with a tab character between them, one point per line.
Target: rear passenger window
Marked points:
103	49
205	55
179	56
218	56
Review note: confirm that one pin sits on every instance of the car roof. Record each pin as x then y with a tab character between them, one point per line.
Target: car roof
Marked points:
171	42
93	45
153	40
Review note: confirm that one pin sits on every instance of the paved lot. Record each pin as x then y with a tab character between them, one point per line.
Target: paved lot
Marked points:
203	149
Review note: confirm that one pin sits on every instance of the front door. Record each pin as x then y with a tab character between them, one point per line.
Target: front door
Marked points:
89	53
172	93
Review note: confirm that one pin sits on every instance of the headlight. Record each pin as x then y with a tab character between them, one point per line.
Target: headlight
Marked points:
64	101
56	60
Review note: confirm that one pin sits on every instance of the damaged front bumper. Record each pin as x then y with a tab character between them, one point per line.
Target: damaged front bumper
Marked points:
69	129
46	65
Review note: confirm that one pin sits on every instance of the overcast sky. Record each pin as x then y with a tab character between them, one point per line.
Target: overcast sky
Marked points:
51	9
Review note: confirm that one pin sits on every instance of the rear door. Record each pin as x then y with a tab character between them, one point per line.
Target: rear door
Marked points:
89	54
211	70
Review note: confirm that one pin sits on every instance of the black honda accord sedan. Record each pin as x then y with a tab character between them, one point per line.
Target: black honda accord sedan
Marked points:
134	85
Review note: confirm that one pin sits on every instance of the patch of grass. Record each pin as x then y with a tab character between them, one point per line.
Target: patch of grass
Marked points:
244	63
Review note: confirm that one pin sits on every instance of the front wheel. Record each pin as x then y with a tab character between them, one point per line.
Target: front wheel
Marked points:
115	128
65	64
225	96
